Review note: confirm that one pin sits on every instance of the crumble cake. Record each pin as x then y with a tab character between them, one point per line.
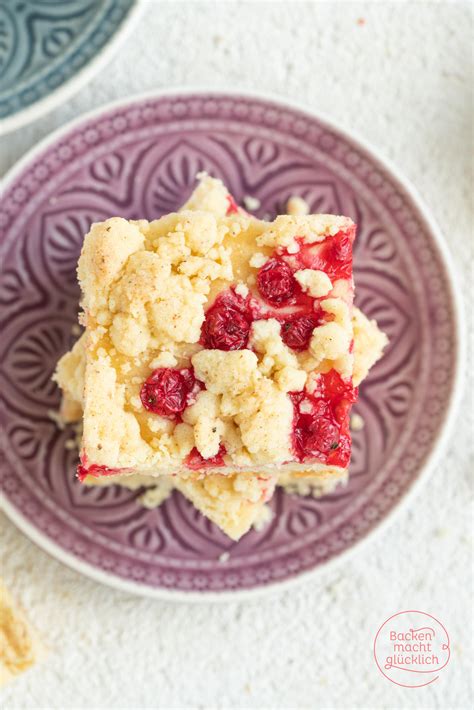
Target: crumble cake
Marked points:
216	342
236	500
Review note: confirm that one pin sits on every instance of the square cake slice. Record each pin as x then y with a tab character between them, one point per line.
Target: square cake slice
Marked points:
217	343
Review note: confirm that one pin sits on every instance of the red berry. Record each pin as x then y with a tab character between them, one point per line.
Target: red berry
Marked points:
341	455
296	398
296	332
321	408
333	256
276	283
227	324
323	432
323	437
196	461
96	470
233	207
341	410
225	329
332	386
341	248
340	259
315	435
167	391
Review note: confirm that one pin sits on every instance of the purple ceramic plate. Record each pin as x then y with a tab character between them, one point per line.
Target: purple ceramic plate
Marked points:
139	159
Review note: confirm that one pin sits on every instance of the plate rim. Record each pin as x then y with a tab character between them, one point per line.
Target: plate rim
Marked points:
79	79
440	443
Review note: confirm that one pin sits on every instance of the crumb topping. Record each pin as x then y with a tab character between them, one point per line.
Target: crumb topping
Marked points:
316	283
180	297
284	231
256	404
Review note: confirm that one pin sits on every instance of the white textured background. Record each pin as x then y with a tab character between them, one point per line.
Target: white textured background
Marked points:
403	80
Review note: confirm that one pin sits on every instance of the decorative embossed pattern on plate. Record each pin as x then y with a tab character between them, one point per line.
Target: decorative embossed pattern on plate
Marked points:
140	160
43	43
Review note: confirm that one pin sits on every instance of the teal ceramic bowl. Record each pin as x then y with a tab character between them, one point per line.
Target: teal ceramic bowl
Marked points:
50	48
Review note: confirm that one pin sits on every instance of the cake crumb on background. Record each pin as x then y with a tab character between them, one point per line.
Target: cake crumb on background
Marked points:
297	206
57	418
251	203
357	423
20	647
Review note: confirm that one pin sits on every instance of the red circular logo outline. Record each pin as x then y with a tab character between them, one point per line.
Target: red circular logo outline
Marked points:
445	646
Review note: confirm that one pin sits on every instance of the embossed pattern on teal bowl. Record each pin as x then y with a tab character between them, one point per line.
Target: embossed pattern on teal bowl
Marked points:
45	43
